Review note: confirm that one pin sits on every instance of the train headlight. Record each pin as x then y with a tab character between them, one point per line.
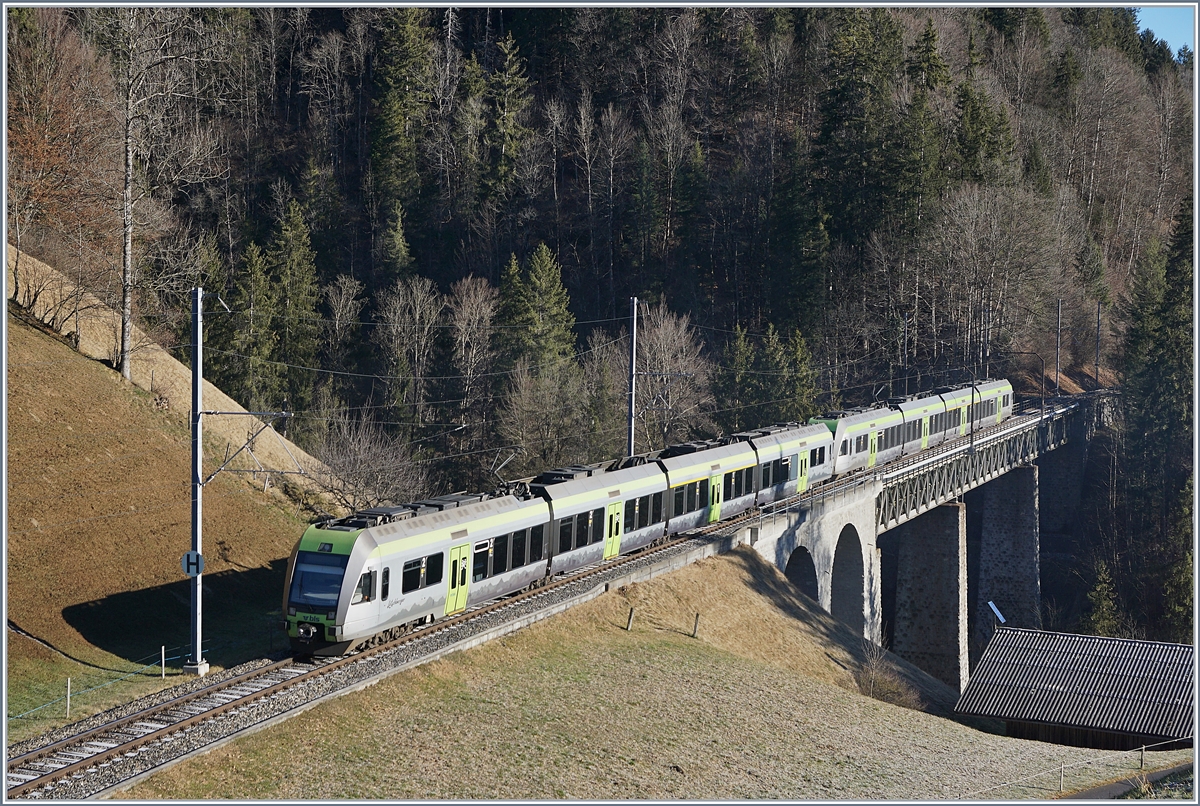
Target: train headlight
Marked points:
332	614
291	611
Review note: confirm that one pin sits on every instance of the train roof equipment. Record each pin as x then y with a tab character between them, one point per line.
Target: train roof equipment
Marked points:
703	461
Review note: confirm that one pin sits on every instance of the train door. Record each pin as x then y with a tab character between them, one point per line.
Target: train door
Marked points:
802	473
873	449
924	433
456	593
714	498
612	535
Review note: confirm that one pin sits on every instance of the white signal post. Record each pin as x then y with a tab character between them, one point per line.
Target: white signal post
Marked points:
196	664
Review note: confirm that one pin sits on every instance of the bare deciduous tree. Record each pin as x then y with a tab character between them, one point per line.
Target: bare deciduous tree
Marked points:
367	466
342	296
545	416
409	313
675	394
156	54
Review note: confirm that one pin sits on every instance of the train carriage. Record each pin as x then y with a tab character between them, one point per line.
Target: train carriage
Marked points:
864	438
597	514
919	418
707	481
790	458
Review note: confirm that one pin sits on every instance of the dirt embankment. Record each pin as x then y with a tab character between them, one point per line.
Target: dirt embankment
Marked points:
99	514
94	329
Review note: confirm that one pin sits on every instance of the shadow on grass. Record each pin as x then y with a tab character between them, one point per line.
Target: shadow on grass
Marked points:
240	617
765	580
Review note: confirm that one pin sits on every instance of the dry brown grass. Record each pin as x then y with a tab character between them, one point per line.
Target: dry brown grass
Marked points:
99	515
762	704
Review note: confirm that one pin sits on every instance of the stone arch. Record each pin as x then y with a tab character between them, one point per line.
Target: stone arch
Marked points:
846	585
802	572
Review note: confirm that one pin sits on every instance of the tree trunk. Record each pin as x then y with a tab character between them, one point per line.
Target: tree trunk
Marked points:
127	244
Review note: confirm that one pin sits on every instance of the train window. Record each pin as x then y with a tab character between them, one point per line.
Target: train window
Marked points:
845	449
792	466
630	515
564	534
728	486
537	542
479	563
518	547
658	508
581	529
764	476
737	484
597	525
453	574
433	568
820	456
362	592
680	494
383	583
643	512
777	474
703	493
410	576
500	554
691	498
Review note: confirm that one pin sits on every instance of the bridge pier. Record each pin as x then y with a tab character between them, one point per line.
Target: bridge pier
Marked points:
828	550
1009	573
930	618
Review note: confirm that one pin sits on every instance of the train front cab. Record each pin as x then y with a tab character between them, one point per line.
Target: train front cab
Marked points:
315	580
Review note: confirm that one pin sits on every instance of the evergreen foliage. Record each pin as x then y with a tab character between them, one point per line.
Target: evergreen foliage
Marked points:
851	174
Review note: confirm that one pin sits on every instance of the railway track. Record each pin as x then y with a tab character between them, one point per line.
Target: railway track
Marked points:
130	745
126	747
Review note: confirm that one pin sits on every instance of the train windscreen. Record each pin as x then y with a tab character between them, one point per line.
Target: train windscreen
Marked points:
317	580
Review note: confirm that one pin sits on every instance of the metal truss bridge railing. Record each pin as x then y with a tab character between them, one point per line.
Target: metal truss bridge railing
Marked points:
915	486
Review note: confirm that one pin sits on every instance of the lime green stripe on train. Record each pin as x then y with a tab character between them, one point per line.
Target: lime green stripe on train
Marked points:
376	574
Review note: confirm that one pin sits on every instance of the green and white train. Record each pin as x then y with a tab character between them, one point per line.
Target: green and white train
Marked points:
374	575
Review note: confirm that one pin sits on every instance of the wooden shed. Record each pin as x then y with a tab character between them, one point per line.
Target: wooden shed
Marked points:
1085	690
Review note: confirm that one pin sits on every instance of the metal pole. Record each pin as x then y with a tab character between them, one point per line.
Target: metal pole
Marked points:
987	341
1098	304
906	355
196	664
68	698
1057	348
163	662
632	369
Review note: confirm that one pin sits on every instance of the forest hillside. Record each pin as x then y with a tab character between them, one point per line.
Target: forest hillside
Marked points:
422	228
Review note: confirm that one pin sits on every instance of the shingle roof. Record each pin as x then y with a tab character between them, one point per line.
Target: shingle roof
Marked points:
1084	681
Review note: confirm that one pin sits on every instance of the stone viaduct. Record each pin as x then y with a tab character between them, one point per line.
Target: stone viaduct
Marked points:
896	538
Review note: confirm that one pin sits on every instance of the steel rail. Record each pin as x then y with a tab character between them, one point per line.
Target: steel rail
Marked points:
86	743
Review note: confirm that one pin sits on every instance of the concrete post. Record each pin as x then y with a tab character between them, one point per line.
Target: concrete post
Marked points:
1009	567
931	593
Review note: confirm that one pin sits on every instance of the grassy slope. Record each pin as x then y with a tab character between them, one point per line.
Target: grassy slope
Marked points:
99	515
760	705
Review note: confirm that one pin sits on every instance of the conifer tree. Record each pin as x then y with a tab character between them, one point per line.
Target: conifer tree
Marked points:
551	337
402	76
259	383
733	385
294	271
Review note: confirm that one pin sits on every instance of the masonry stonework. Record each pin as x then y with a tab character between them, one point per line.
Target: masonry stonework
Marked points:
1008	552
931	593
